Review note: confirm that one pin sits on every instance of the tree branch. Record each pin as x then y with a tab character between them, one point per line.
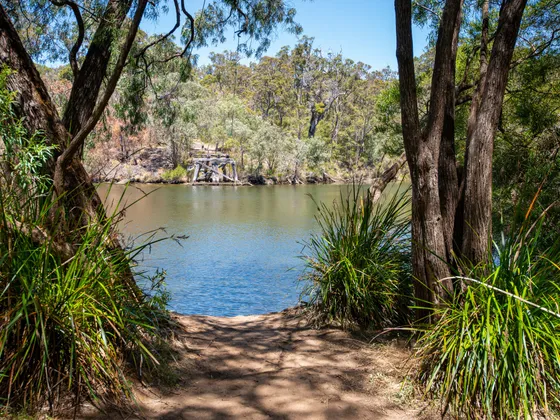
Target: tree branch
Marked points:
65	158
537	50
427	9
167	35
74	51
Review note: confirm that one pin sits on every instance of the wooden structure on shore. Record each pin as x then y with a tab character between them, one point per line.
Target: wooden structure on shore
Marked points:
215	170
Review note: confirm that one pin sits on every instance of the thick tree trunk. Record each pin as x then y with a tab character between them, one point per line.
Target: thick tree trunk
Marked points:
425	155
35	104
477	227
412	139
447	163
445	220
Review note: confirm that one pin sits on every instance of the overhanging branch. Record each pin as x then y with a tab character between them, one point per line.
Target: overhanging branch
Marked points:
79	20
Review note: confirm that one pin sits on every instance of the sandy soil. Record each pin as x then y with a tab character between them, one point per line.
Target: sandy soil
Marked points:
273	366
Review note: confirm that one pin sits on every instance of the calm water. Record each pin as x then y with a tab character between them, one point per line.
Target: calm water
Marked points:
241	254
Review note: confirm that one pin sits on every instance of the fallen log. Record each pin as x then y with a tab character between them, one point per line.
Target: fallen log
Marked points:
380	183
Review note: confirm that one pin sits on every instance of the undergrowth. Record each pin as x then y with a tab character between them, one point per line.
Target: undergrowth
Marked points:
175	175
73	323
358	266
495	351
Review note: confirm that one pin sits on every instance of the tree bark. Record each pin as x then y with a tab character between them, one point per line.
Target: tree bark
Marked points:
34	103
477	226
447	163
430	243
88	81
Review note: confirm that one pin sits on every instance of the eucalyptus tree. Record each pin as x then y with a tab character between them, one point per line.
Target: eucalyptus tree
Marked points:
452	209
101	35
268	145
272	89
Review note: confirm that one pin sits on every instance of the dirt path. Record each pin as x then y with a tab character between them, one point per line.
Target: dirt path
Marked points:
272	366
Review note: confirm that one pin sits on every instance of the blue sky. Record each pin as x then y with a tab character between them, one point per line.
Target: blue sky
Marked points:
363	30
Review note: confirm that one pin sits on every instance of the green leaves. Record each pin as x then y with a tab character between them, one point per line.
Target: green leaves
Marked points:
24	155
495	350
358	267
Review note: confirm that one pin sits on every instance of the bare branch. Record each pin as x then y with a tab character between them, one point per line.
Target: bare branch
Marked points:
427	9
191	20
74	51
167	35
537	50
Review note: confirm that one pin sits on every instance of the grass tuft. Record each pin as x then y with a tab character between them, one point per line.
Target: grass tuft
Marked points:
358	266
495	351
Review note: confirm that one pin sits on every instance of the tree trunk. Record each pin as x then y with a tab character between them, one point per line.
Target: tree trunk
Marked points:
35	104
389	175
316	118
440	227
336	127
88	82
448	181
477	226
423	151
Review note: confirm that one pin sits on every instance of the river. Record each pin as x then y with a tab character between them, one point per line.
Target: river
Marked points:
241	255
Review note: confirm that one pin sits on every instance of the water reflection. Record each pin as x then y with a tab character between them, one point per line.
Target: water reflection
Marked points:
241	254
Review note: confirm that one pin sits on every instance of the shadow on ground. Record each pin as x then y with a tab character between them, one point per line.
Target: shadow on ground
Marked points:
272	366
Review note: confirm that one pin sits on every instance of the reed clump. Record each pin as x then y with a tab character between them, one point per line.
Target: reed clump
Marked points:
358	266
495	350
70	325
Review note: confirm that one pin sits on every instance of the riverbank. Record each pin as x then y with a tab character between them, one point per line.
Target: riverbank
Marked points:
152	165
274	366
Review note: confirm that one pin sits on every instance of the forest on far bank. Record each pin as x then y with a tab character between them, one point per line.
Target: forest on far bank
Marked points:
303	112
300	112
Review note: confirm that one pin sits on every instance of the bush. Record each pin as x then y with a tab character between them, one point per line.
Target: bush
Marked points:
178	174
495	352
70	313
358	267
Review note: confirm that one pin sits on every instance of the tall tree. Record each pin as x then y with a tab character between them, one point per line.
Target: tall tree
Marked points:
452	215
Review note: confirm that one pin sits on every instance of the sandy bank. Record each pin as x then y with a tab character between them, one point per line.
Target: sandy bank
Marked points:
273	366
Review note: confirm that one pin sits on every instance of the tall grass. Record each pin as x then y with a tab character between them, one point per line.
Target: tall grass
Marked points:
358	266
70	323
495	351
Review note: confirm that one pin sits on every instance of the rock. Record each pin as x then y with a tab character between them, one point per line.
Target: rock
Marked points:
256	179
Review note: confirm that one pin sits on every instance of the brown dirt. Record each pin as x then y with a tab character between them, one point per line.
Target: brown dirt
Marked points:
273	366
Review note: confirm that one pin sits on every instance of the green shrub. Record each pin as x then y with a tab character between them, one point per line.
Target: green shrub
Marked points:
495	351
358	266
175	175
70	313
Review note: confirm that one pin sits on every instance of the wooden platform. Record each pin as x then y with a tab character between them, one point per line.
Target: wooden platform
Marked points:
215	169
